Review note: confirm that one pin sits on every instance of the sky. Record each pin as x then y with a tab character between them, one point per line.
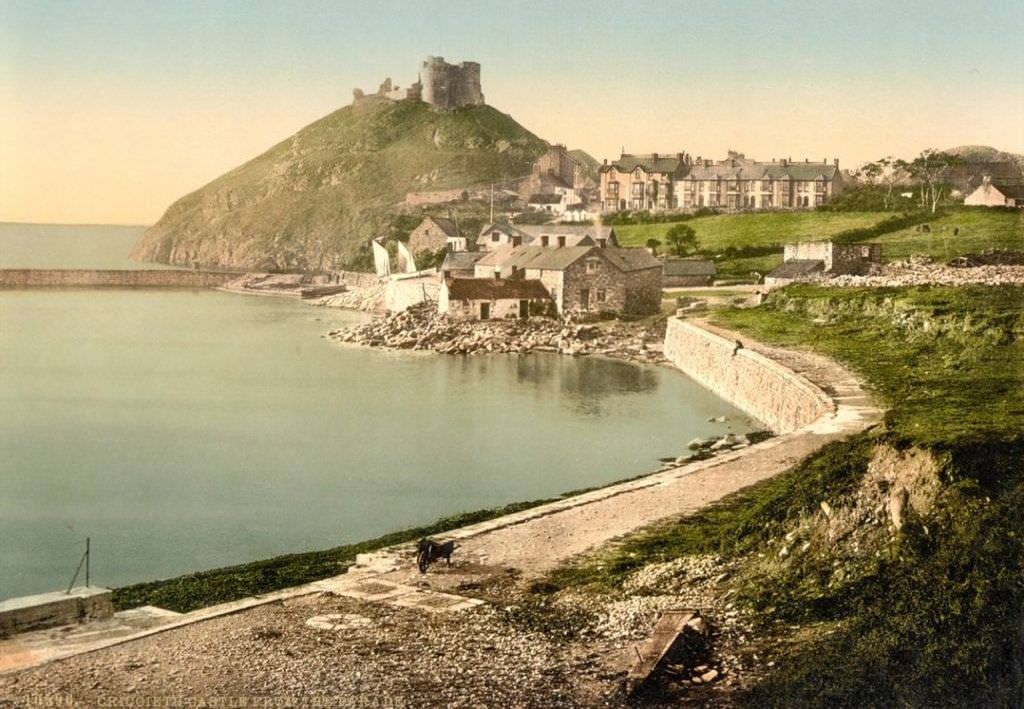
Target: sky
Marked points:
110	110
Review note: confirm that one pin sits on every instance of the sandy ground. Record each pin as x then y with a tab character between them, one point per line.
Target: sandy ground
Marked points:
321	647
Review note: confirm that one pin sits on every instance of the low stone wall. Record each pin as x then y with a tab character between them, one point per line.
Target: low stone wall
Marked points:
82	278
776	396
48	610
402	294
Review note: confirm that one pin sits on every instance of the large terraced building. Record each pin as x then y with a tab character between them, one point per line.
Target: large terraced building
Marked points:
657	182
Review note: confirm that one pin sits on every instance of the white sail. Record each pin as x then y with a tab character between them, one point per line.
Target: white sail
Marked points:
381	259
405	256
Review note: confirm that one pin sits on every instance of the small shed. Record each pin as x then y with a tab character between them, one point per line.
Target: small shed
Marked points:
492	298
688	272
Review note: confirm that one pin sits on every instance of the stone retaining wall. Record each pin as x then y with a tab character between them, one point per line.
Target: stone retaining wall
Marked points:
48	610
766	390
82	278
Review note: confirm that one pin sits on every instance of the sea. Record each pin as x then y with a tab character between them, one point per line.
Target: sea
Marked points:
181	430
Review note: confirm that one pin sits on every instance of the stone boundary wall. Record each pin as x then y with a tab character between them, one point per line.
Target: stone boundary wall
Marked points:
771	393
81	278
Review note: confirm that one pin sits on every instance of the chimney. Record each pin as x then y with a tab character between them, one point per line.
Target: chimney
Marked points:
773	161
806	160
654	156
836	161
784	162
606	161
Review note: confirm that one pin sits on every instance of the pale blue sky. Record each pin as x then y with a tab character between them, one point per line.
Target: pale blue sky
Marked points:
114	109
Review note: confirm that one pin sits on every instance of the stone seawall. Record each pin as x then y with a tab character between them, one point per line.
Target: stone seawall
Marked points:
82	278
765	389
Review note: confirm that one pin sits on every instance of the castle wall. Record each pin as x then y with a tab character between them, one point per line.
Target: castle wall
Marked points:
450	86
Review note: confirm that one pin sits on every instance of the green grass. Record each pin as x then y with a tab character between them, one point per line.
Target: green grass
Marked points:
754	229
205	588
979	229
932	616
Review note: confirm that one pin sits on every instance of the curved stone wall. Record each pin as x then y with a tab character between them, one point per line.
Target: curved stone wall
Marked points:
771	393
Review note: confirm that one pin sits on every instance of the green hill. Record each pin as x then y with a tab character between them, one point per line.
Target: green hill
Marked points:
315	200
985	153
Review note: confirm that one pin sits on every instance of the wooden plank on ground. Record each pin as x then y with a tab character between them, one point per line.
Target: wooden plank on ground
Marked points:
647	656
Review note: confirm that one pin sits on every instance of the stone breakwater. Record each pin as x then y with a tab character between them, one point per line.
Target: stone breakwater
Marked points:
422	328
84	278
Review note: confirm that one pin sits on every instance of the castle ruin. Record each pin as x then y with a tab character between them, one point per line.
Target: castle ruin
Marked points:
440	84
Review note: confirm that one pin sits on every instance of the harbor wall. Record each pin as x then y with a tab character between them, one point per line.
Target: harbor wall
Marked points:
84	278
771	393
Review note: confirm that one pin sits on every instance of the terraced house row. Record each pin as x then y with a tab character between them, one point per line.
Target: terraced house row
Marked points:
657	182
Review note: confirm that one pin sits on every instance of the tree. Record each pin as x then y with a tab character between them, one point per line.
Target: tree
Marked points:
929	170
653	245
886	173
682	239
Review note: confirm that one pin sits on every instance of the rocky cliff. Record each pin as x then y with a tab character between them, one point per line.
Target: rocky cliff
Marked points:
315	200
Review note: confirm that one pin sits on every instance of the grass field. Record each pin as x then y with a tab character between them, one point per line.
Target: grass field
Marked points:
754	229
979	229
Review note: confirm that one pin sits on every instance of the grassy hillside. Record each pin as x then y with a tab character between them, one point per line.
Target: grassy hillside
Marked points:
315	199
763	232
978	228
850	610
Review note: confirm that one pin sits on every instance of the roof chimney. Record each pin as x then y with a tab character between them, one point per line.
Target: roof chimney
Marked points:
654	156
836	161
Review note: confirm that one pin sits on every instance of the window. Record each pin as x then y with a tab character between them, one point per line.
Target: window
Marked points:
638	190
561	241
600	295
495	236
592	266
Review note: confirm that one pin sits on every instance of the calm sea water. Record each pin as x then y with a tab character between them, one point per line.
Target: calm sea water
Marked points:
184	430
61	246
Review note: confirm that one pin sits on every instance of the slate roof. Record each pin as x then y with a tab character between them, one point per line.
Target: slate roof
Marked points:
650	163
797	268
631	259
689	267
461	260
496	289
1009	189
535	257
446	225
802	171
574	233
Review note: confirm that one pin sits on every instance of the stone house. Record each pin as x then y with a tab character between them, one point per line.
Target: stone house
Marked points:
738	183
683	272
802	260
585	278
492	298
996	194
436	233
640	182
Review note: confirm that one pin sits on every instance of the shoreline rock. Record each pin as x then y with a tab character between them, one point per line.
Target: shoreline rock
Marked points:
422	328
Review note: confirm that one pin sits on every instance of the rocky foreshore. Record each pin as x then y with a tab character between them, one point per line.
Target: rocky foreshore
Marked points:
422	328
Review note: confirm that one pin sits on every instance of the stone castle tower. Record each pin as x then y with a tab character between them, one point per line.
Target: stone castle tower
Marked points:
447	85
